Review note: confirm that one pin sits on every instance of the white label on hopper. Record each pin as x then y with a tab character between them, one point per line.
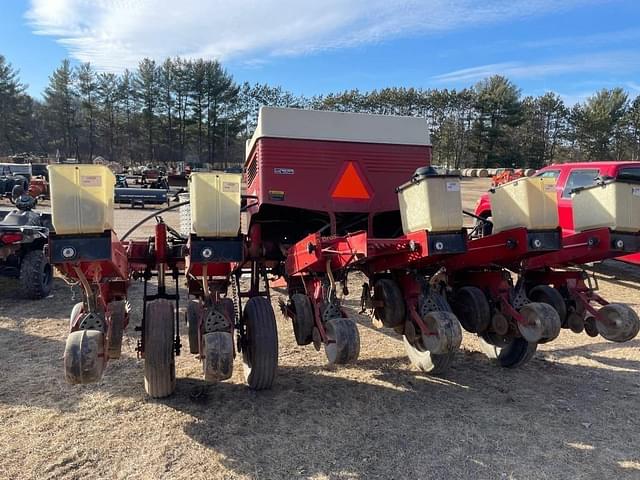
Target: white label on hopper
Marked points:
90	180
231	187
453	187
636	191
283	171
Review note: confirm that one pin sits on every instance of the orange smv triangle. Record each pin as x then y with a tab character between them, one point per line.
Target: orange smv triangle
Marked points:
351	185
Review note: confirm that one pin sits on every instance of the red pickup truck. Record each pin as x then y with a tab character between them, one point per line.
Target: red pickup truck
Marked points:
570	176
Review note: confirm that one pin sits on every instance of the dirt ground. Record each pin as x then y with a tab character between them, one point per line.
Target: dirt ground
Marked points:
570	413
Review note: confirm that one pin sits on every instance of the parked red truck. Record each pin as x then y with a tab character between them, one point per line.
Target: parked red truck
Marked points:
570	176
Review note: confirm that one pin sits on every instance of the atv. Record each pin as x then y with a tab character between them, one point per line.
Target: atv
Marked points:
23	235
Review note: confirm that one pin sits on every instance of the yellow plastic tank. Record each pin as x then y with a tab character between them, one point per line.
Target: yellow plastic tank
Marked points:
529	202
215	204
81	198
431	202
615	205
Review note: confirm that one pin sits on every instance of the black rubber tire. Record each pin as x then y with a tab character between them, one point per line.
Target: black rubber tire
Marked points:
393	313
345	341
510	353
159	353
471	307
260	350
84	358
118	315
590	326
217	360
550	296
36	275
303	319
191	316
426	361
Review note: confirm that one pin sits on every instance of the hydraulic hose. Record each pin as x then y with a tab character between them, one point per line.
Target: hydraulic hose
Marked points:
152	215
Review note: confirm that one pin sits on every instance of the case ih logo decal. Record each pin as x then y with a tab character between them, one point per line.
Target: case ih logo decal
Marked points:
283	171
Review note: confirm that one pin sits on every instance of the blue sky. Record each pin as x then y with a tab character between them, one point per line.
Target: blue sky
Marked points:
572	47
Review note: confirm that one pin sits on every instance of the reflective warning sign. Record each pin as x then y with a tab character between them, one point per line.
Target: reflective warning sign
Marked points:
351	185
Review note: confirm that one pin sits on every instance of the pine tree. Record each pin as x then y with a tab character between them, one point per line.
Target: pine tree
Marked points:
61	105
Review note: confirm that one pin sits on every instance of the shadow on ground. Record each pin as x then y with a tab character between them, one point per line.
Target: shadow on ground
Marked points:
318	421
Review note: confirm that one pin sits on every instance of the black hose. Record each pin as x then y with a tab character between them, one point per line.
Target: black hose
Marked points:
149	217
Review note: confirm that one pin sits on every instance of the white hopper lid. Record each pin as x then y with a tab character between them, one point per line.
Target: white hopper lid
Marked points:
338	126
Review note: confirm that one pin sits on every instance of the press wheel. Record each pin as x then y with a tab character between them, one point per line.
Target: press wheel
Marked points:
344	341
550	296
617	322
445	332
542	322
84	358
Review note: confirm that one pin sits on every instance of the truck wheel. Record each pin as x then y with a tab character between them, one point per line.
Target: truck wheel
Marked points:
84	358
260	350
510	352
118	315
36	275
159	354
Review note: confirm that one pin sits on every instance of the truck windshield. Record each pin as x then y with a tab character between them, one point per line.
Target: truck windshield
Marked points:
630	173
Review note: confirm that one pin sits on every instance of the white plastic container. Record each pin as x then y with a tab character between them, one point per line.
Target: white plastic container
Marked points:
615	205
81	198
530	202
432	203
215	204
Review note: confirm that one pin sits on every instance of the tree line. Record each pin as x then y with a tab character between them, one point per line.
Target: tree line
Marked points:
194	111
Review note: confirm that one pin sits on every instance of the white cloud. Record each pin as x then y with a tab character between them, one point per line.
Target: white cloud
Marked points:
115	34
618	62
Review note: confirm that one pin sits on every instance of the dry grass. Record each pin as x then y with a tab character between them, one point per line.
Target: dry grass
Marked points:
570	413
